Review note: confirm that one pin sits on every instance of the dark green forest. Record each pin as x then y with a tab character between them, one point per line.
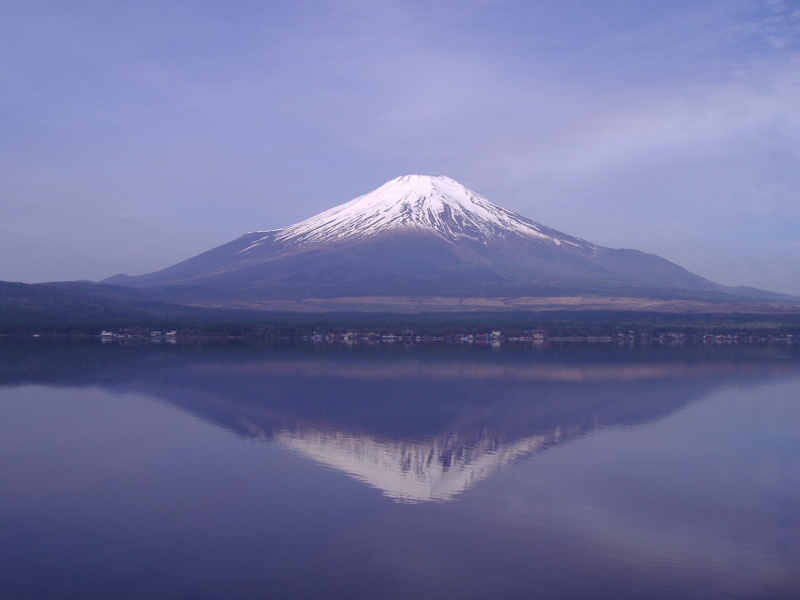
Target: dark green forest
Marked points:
87	309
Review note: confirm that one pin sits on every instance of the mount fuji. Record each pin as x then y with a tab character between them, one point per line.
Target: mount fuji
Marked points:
421	236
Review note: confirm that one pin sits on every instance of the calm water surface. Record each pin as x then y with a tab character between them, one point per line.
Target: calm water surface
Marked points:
236	471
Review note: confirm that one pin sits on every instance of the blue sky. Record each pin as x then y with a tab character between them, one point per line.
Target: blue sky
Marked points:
134	135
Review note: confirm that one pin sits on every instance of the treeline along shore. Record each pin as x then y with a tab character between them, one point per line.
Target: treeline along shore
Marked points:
27	309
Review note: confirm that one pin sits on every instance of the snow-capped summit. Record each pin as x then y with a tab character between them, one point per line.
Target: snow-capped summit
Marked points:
429	203
418	236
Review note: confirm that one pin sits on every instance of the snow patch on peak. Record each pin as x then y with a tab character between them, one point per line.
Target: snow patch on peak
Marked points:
431	203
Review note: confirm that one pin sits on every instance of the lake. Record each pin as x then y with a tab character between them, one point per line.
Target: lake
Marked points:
235	470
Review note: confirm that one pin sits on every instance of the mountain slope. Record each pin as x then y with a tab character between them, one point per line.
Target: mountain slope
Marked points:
420	236
438	205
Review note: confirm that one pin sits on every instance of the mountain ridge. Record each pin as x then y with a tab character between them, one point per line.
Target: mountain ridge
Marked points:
422	235
430	203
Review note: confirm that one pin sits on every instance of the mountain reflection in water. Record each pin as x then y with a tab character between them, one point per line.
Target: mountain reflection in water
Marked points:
419	426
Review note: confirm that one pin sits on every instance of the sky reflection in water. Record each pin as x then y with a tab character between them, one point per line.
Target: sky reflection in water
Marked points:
577	471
